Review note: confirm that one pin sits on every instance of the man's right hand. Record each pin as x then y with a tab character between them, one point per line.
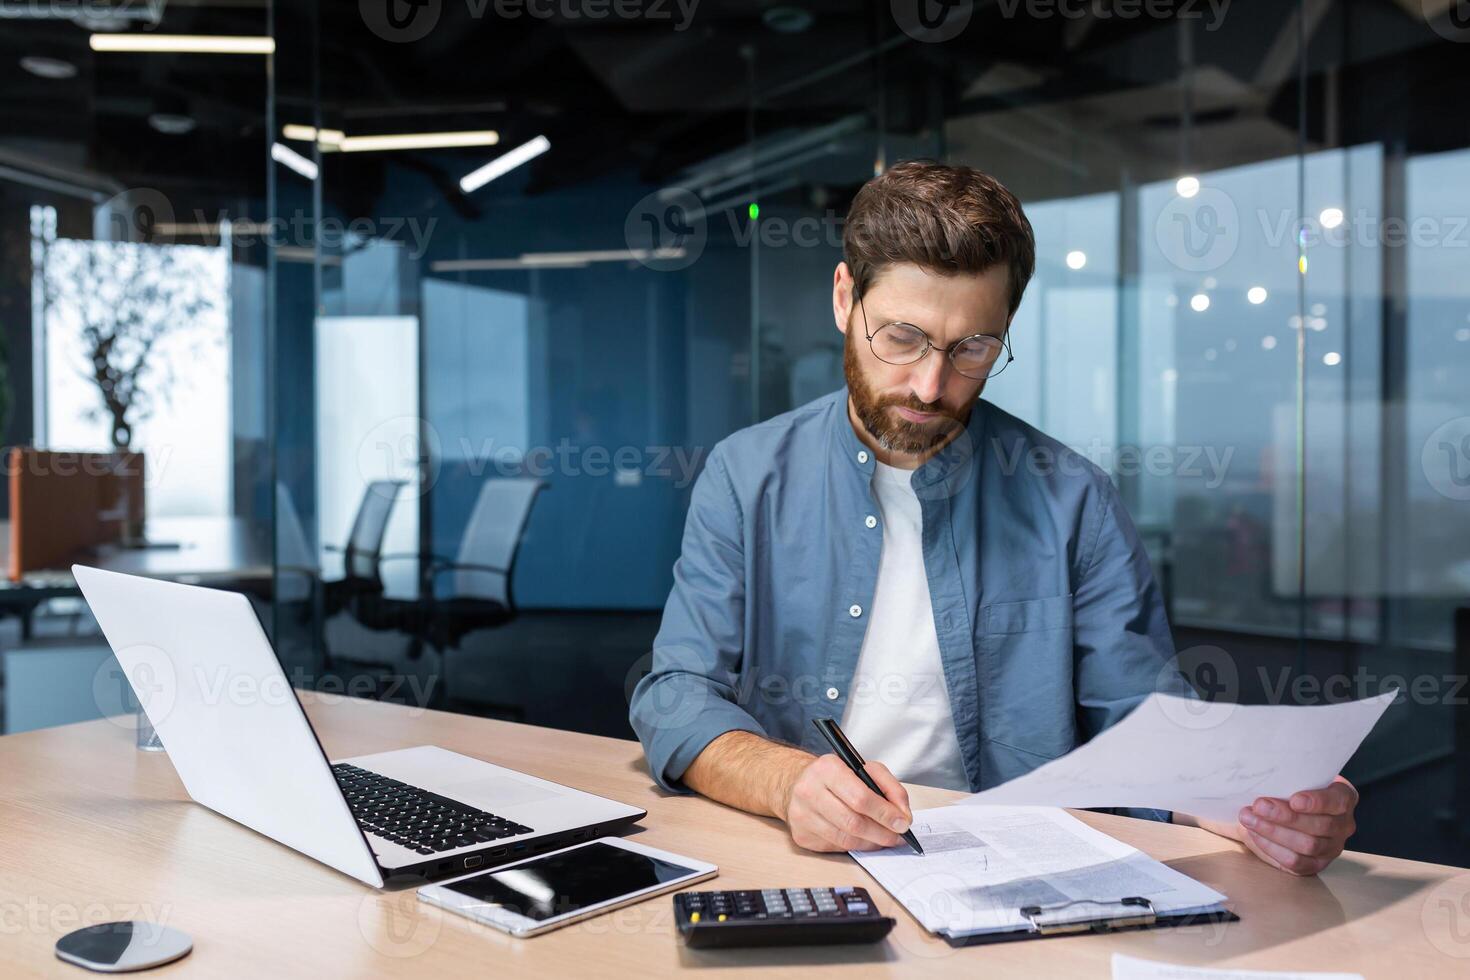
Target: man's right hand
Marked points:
827	807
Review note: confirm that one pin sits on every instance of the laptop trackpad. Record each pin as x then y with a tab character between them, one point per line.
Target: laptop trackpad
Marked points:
488	792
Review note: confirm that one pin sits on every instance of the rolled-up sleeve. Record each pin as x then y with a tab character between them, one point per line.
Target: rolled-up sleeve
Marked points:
690	695
1123	647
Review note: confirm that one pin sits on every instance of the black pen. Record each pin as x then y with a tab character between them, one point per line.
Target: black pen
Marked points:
848	754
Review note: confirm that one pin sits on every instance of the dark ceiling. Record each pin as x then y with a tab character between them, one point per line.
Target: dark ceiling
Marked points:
646	96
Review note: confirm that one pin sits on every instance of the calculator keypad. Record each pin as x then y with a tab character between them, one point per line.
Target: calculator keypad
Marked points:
782	904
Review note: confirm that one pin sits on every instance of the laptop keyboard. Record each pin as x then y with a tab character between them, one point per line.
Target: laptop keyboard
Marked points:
415	818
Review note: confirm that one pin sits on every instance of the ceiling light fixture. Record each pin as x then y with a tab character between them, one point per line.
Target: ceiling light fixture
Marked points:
53	69
310	134
285	155
418	141
504	163
182	43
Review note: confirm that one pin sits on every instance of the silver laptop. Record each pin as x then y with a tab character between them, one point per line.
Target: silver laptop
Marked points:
205	673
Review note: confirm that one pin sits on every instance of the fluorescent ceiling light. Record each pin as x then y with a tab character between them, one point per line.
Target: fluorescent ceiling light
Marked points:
556	260
310	134
504	163
50	68
285	155
182	43
418	141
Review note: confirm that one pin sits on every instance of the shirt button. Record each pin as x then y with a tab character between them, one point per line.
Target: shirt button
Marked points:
831	694
863	456
871	521
854	610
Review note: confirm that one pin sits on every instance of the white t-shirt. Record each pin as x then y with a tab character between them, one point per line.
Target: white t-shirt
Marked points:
898	709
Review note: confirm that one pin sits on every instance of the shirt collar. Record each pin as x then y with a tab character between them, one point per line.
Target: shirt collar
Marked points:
947	471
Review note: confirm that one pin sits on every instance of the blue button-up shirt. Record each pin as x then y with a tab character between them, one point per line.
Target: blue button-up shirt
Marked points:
1050	624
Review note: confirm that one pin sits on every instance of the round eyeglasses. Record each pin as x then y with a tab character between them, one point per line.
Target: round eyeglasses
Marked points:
977	356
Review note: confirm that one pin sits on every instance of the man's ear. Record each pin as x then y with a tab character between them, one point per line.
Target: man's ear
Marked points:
842	296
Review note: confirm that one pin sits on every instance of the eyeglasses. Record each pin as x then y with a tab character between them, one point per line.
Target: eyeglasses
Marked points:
976	356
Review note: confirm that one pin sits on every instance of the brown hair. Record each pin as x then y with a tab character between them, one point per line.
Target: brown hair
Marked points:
945	219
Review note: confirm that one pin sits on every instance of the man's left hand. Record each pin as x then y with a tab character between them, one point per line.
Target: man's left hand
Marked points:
1304	834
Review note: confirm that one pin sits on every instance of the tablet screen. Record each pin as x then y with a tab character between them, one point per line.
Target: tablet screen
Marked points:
568	881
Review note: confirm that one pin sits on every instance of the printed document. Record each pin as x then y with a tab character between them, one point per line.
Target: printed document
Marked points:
1203	758
982	865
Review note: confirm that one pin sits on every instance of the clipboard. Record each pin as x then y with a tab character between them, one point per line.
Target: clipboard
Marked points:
1070	919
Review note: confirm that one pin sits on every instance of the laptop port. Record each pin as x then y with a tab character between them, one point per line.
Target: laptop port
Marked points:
498	852
519	848
473	861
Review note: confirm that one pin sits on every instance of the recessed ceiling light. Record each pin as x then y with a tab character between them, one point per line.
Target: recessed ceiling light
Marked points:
1332	358
1076	259
1330	217
1256	295
1186	186
1268	342
172	123
1199	302
51	68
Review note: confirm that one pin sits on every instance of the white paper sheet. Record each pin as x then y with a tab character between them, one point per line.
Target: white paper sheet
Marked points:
1132	968
1201	758
981	864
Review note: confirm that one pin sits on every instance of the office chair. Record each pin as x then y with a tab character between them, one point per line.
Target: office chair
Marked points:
390	632
297	573
356	600
480	594
361	555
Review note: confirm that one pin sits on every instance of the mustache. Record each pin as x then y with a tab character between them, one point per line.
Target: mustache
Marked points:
913	404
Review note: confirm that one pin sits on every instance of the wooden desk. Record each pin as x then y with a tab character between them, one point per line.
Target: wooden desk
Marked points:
94	830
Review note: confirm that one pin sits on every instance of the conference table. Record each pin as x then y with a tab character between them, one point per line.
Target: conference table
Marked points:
196	550
94	830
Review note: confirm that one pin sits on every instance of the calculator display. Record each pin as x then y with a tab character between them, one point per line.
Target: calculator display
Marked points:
568	881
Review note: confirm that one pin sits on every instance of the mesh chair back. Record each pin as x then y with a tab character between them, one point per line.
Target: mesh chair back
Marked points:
492	536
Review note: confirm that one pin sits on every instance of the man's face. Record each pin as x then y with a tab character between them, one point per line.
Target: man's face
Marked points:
911	409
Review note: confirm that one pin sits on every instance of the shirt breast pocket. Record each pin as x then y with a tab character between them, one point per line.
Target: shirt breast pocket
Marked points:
1025	671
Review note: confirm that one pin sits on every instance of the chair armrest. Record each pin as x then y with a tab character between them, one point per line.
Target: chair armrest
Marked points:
430	560
457	566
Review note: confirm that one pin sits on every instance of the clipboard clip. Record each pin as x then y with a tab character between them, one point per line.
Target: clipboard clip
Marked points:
1064	917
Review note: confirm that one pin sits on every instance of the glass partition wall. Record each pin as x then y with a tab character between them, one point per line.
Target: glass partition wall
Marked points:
537	262
133	326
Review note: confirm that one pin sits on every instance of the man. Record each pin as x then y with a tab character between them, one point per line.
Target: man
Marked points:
968	596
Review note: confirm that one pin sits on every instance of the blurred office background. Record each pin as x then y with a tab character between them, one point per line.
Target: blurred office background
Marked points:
441	423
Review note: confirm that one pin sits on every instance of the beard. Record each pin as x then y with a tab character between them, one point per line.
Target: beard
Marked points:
893	432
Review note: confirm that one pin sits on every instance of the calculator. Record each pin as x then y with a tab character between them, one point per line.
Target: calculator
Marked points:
779	917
